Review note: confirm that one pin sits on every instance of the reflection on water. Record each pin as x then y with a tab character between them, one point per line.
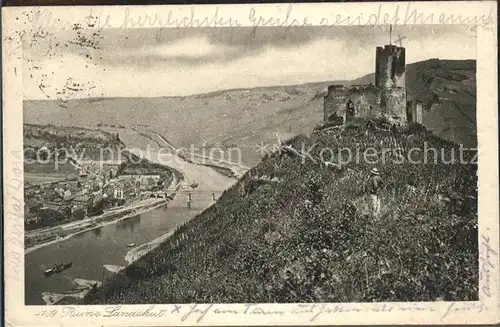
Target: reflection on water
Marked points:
96	231
91	251
129	224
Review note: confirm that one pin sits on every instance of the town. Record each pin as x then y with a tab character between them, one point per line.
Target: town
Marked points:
92	190
62	187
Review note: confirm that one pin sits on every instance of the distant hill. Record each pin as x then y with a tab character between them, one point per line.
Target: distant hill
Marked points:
247	117
62	141
293	230
448	90
224	118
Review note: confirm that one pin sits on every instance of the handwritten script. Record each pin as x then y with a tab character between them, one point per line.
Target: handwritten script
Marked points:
199	312
257	17
14	216
486	264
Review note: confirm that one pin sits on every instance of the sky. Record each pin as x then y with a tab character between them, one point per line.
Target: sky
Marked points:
143	62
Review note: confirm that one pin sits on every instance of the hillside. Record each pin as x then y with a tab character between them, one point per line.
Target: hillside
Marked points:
247	117
68	140
293	230
447	88
223	119
47	149
134	165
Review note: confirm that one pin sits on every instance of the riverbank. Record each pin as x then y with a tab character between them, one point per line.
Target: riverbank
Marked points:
132	256
191	170
140	251
76	297
35	239
77	294
90	223
224	167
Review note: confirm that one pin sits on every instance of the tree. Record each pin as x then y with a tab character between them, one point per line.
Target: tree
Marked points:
50	217
79	214
96	209
67	212
44	154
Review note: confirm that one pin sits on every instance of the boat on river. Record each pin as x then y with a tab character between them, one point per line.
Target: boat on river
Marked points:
131	245
58	268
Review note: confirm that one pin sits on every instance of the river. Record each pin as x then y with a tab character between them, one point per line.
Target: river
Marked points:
91	251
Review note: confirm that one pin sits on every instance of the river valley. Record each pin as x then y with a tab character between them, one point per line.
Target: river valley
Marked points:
95	254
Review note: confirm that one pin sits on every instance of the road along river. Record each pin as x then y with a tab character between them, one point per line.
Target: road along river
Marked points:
97	253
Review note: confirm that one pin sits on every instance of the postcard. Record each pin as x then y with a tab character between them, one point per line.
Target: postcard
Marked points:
253	164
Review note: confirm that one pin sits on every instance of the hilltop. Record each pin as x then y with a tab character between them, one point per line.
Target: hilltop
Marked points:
47	149
247	117
294	230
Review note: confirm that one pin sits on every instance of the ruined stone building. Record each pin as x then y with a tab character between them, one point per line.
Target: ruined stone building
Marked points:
414	111
387	98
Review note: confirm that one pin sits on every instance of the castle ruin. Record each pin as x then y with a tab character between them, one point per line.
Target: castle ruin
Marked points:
387	98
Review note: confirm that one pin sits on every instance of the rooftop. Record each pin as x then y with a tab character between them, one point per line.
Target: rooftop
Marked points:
82	197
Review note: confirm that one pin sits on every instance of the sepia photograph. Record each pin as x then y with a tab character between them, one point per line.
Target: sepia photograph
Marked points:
251	165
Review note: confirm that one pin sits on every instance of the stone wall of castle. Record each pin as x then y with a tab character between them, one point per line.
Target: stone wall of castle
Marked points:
386	98
414	111
334	102
366	100
393	104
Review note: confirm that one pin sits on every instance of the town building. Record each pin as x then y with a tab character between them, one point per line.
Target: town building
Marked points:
123	191
67	195
31	208
68	184
48	196
118	193
146	182
84	202
55	206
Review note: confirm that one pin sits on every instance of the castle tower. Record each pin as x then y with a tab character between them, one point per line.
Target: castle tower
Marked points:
387	99
390	67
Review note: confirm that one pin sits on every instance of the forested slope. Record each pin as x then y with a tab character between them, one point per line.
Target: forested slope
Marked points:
294	230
